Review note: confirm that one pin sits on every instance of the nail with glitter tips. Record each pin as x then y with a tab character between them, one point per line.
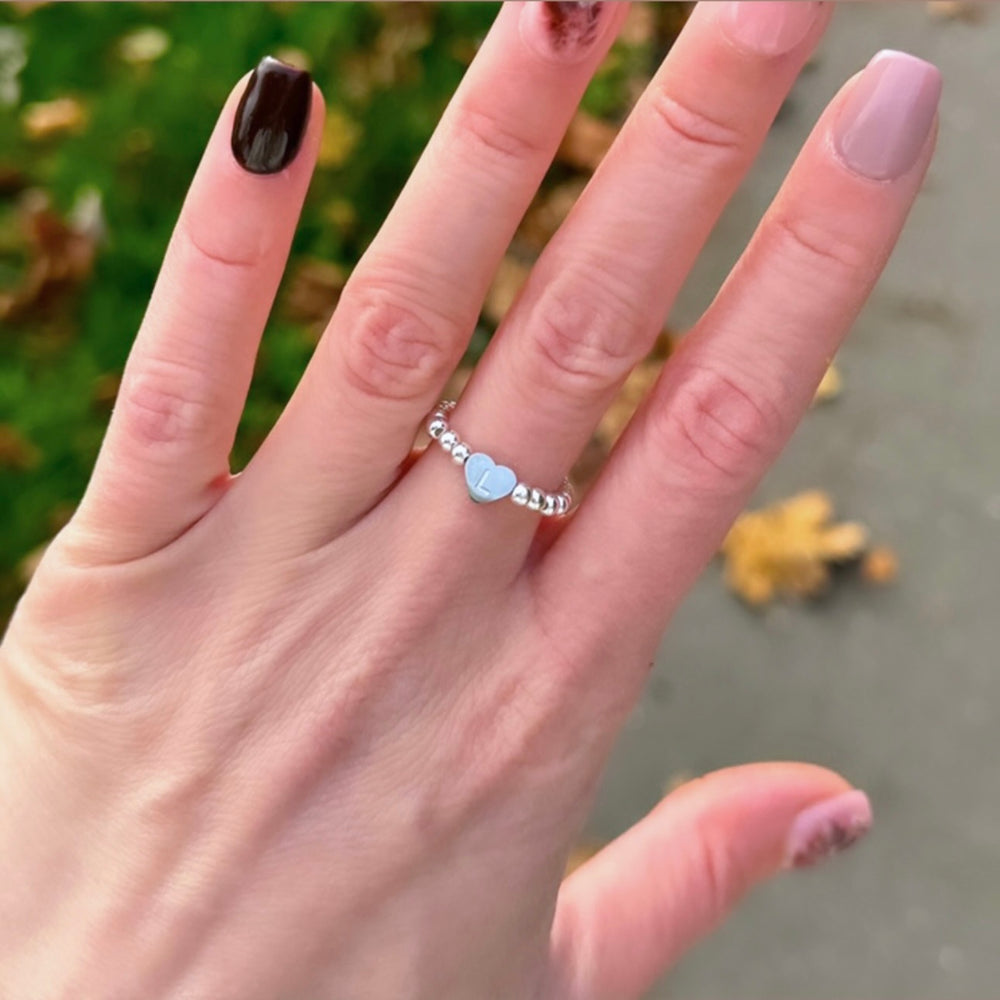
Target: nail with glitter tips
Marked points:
827	828
563	31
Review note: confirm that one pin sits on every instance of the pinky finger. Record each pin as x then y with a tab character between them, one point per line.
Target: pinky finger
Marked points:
631	911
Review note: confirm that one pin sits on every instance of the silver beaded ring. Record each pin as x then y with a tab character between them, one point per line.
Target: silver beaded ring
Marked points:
488	481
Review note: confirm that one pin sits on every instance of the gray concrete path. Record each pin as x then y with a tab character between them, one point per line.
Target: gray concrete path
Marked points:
899	688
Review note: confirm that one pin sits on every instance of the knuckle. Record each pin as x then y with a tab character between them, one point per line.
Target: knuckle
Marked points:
692	131
391	347
816	247
168	402
585	337
484	137
715	431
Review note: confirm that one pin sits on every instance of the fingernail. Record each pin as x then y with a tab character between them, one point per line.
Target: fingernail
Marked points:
563	31
827	828
885	119
769	28
272	117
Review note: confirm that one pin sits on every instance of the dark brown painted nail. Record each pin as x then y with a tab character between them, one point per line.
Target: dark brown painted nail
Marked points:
272	117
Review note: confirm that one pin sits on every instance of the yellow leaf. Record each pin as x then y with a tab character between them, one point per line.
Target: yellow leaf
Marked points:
340	136
64	114
788	548
830	387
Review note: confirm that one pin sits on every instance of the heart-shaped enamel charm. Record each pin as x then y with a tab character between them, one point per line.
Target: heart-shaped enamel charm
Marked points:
486	480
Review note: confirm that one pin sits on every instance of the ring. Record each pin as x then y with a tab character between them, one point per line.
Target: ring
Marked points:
488	481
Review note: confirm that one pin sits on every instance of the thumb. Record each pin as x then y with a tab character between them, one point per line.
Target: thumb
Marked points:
625	916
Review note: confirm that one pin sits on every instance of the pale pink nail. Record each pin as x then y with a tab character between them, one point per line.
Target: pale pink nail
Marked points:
886	118
767	27
827	828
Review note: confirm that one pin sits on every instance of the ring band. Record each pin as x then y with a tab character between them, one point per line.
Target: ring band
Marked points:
486	480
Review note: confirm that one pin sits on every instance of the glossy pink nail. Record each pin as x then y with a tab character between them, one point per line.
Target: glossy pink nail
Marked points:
887	116
827	828
767	27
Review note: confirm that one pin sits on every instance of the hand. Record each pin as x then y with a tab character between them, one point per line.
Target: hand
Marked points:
327	728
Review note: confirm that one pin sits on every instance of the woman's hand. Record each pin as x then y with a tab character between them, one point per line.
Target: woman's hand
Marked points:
327	728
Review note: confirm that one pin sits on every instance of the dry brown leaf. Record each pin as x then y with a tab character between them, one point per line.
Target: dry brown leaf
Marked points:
547	213
830	387
105	390
49	118
507	282
580	855
586	141
25	569
957	10
16	451
880	566
313	290
788	548
60	253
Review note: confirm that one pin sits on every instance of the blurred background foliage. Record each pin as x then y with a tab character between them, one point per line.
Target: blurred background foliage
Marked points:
104	111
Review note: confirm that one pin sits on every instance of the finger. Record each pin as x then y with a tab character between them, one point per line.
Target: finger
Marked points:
729	399
631	911
597	298
404	320
164	460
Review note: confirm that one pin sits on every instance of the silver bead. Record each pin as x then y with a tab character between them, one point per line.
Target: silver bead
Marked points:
437	426
448	440
460	453
521	495
536	499
562	504
549	505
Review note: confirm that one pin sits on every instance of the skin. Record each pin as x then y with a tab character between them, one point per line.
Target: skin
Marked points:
327	729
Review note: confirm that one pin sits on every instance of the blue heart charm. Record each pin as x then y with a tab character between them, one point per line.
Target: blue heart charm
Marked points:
486	480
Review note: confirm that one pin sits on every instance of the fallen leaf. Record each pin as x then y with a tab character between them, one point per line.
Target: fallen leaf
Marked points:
105	391
639	27
830	387
313	290
586	141
16	451
60	256
678	778
143	45
880	566
49	118
26	567
294	57
788	548
340	135
580	855
957	10
548	211
507	282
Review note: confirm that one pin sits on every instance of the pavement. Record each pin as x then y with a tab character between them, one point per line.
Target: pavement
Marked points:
898	688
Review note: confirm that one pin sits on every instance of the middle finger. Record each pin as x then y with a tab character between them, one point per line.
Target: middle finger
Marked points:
598	295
